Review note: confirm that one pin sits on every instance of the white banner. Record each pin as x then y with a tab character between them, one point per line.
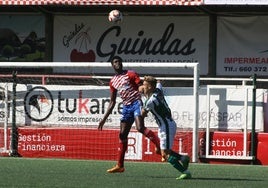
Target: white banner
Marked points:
145	38
75	106
242	48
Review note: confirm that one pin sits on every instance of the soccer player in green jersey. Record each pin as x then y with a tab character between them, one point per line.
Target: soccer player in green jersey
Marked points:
156	104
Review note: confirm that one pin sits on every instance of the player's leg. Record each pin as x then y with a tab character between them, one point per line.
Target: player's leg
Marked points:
125	126
184	159
147	132
174	158
174	161
166	133
123	139
123	144
139	122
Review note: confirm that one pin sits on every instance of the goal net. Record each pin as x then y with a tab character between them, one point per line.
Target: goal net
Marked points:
56	115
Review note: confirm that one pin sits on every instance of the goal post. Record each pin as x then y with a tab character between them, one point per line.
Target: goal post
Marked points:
245	129
193	66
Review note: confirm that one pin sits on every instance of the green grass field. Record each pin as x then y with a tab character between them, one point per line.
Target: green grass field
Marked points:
38	173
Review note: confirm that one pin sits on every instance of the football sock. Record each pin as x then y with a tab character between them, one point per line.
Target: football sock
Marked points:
174	161
122	151
173	153
152	136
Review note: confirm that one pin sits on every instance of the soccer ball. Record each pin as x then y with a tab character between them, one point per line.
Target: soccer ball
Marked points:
115	16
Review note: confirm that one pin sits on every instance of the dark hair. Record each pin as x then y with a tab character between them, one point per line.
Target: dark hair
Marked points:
116	57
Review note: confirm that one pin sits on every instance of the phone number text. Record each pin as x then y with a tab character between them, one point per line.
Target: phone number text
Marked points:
245	69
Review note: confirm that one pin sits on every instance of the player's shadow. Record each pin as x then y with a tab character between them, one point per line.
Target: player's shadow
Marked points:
210	178
225	179
213	179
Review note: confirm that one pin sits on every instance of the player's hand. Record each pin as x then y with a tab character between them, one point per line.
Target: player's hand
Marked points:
101	123
144	113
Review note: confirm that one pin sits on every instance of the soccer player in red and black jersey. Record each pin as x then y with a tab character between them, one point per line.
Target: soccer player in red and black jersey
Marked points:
126	83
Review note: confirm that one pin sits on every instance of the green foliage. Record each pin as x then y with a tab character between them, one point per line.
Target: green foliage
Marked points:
25	49
7	51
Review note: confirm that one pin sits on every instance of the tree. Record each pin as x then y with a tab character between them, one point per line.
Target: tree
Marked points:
8	51
25	49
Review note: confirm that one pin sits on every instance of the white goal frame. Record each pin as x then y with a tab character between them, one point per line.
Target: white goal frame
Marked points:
244	128
193	66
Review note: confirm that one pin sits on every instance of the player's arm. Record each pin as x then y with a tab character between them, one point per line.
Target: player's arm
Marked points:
109	110
159	85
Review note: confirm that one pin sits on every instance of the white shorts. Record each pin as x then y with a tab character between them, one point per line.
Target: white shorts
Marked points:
167	134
